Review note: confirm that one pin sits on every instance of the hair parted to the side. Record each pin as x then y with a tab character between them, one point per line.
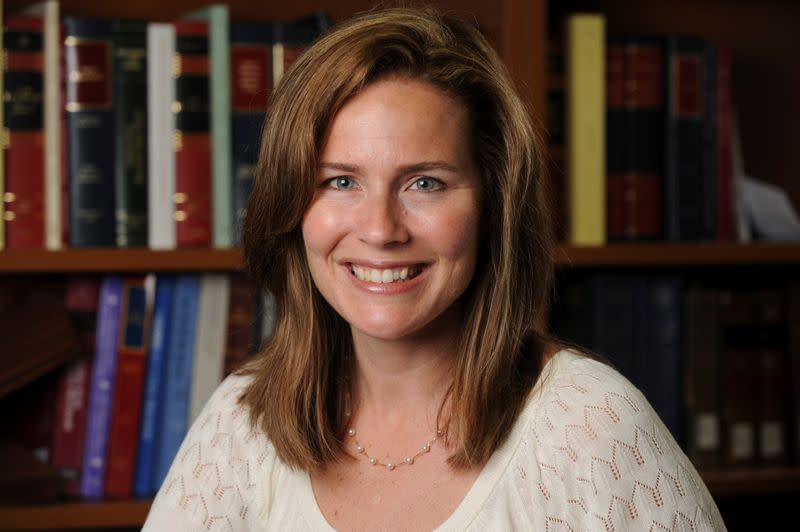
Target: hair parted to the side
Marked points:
297	392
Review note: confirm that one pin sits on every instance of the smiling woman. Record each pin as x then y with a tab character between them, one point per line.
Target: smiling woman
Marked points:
398	218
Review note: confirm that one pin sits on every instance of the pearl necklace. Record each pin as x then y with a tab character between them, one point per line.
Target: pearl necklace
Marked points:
408	460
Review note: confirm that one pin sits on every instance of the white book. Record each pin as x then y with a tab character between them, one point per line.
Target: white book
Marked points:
160	134
208	365
53	107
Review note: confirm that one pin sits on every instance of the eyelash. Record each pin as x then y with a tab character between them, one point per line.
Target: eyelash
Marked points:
334	183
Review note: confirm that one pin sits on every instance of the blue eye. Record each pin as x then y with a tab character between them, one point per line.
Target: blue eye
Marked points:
341	183
427	184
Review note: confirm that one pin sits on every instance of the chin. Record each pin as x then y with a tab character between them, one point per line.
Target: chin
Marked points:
388	330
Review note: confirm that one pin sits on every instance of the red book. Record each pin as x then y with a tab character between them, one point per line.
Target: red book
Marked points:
723	151
23	79
69	426
134	339
192	138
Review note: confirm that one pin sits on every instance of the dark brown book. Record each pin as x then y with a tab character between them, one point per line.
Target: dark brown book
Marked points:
794	370
702	387
739	383
241	316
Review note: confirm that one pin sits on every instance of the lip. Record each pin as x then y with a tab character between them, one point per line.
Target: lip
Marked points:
386	288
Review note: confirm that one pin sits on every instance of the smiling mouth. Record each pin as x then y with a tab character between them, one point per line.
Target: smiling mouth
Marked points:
387	275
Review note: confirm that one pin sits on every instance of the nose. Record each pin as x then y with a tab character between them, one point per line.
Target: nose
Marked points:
382	221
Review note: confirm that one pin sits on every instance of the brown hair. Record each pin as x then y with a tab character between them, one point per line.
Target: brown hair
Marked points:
296	395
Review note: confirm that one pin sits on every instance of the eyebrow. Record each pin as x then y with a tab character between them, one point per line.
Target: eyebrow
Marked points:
408	169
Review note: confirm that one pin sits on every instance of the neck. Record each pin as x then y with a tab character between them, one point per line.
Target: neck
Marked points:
398	385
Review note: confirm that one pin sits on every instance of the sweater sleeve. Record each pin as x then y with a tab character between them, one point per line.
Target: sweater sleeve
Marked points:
606	461
216	480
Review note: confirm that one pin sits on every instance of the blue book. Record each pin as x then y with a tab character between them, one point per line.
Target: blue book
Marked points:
90	129
659	364
613	315
177	385
144	484
101	393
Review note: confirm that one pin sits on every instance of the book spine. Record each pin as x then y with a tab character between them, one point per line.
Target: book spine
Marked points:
160	131
635	138
53	108
102	389
251	77
130	131
24	136
241	314
724	153
585	105
613	304
208	362
794	370
144	480
555	129
703	377
659	367
689	181
222	182
135	321
2	147
175	415
192	139
90	120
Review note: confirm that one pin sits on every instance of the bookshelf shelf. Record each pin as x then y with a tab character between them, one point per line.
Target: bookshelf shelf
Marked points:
202	260
119	260
678	255
75	516
133	513
760	481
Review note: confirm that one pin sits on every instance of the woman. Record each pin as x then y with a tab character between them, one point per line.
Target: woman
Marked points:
398	219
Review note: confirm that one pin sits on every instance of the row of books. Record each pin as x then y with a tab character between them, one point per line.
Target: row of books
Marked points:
721	366
160	345
643	140
131	133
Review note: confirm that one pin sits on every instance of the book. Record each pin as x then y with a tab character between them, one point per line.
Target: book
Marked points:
101	394
241	318
2	151
292	38
251	78
177	384
24	135
134	339
208	359
160	130
217	18
635	124
145	483
192	138
130	131
689	175
585	125
72	396
90	122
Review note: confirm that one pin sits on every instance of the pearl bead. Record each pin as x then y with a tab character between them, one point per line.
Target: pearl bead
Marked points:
360	448
426	448
409	460
373	460
390	466
351	432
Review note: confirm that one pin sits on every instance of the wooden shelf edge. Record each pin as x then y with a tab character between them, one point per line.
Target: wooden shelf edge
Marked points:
752	481
119	260
566	257
677	255
79	515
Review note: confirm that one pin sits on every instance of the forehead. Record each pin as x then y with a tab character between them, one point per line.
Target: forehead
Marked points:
399	114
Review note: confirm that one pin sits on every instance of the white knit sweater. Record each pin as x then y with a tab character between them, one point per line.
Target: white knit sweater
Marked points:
587	453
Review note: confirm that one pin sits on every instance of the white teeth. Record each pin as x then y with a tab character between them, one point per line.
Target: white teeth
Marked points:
381	276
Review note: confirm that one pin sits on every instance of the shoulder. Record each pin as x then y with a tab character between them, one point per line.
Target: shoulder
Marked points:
218	476
604	456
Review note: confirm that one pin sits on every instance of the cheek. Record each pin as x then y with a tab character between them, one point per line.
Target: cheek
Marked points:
455	234
322	229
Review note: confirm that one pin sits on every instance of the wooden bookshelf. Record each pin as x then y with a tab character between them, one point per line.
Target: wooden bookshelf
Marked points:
201	260
753	481
119	260
75	516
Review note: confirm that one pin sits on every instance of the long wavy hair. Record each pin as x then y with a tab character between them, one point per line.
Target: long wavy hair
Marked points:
297	392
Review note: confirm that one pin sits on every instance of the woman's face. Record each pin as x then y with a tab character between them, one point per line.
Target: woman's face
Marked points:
391	234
